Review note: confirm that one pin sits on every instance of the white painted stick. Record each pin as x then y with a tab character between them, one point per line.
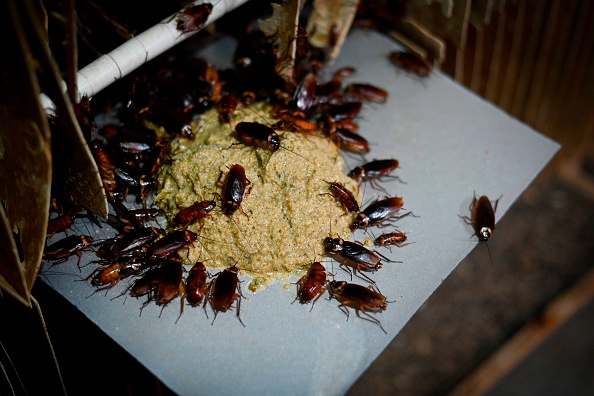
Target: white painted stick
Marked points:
137	51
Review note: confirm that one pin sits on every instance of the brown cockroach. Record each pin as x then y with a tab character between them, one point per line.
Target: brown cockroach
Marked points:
355	255
137	142
362	299
304	94
84	116
196	285
374	170
170	284
234	189
344	72
223	290
482	218
171	243
106	167
343	110
411	62
193	17
397	238
211	77
247	98
311	286
145	214
350	141
345	196
227	106
60	223
295	125
147	283
107	276
377	212
194	212
257	135
60	251
302	44
328	92
134	240
347	124
366	92
127	221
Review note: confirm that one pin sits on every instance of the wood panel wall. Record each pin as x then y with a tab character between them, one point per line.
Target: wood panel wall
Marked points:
535	59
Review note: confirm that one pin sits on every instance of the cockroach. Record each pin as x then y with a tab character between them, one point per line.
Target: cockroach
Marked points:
411	62
378	212
247	98
134	240
350	141
366	92
227	106
328	91
343	110
196	285
127	221
355	254
137	143
294	121
60	223
106	167
170	284
145	214
193	18
127	178
371	171
146	285
395	237
360	298
173	119
223	290
147	185
109	275
61	250
194	212
159	157
482	217
211	77
295	125
311	286
84	116
344	73
302	44
304	94
171	243
257	135
234	189
345	196
347	124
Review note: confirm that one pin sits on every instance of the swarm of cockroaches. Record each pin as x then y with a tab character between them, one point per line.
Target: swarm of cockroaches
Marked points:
128	155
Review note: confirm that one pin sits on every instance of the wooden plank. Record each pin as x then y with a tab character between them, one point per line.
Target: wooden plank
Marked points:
530	337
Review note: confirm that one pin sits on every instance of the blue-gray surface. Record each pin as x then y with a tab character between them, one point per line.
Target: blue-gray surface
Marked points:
449	142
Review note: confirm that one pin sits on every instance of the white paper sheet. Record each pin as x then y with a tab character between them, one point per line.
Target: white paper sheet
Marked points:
449	142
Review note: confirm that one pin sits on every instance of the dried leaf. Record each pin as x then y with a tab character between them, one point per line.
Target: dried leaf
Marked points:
25	160
78	178
329	24
282	25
